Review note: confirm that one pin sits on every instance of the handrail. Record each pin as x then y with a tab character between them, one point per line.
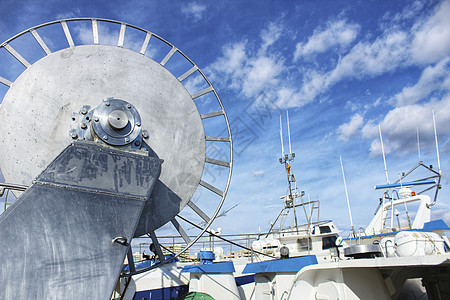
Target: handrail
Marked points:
11	186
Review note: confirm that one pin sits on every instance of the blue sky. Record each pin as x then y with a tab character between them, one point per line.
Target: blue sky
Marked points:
341	68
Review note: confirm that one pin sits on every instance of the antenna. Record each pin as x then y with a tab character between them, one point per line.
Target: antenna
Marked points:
435	139
292	192
281	136
346	195
384	157
418	142
289	132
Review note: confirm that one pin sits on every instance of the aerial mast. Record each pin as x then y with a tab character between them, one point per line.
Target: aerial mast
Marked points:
384	156
293	191
346	195
281	136
435	139
418	143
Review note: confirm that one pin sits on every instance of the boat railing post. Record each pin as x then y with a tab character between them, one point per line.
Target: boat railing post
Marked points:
385	247
173	244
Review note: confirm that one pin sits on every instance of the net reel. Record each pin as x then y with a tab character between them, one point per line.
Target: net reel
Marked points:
83	100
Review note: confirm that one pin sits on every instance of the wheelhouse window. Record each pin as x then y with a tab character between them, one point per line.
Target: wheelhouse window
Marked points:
324	229
328	242
304	244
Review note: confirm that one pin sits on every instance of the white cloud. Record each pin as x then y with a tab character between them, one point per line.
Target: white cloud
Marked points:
433	78
261	72
229	68
409	12
259	173
252	72
194	84
365	59
194	10
428	40
441	211
347	130
384	54
270	35
289	97
73	13
84	33
400	125
337	34
432	40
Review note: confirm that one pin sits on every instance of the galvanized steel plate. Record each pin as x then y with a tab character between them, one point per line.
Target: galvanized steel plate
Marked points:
36	117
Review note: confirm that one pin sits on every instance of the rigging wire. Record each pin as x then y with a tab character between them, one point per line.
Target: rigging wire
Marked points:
224	239
224	213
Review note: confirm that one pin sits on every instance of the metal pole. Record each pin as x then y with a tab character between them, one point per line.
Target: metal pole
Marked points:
281	136
346	195
435	139
289	132
418	142
384	157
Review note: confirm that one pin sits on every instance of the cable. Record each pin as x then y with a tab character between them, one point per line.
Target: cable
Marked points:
224	239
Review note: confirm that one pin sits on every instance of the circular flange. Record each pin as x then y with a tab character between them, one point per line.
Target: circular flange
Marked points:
116	122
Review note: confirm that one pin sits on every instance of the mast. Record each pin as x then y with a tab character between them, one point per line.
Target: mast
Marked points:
289	132
291	177
293	191
418	143
435	139
289	198
384	157
281	136
346	195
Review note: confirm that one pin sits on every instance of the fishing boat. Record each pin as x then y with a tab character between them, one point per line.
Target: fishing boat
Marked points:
410	263
395	257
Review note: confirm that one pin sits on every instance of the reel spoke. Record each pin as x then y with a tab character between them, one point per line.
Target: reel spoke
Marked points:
40	41
202	92
181	231
67	34
212	114
145	44
211	188
121	35
95	32
198	211
17	56
157	246
218	138
188	73
168	56
218	162
5	81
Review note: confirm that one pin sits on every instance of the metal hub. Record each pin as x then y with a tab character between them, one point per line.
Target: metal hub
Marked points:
116	122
